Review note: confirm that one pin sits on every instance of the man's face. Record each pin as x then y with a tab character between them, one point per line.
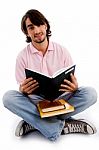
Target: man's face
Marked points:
36	33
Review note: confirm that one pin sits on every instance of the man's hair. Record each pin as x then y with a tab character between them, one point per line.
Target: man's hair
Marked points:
37	19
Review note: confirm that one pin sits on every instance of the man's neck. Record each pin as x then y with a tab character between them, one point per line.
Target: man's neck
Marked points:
41	46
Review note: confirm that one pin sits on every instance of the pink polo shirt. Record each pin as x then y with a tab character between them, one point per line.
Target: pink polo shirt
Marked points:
55	58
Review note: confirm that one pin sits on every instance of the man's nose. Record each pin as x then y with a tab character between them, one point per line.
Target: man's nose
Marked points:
37	29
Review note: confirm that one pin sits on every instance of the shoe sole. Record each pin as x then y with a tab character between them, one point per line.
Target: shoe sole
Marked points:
18	128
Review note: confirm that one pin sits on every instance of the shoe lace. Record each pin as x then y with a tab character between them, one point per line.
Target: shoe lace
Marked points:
79	128
27	128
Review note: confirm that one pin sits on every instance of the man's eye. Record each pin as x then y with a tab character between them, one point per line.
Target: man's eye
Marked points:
31	28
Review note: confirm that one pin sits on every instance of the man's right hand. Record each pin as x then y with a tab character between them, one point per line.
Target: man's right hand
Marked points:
28	86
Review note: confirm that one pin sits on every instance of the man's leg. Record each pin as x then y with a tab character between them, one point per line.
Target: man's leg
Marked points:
22	106
83	98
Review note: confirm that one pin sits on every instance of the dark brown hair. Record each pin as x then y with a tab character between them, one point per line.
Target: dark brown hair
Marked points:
37	19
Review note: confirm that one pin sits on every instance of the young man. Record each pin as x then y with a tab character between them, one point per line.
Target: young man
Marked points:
47	57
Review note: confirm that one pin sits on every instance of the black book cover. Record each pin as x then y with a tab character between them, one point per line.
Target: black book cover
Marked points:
49	86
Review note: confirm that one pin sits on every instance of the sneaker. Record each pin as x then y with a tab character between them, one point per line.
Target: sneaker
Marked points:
78	126
23	128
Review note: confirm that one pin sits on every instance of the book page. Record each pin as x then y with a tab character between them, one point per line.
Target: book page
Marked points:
62	70
56	73
39	73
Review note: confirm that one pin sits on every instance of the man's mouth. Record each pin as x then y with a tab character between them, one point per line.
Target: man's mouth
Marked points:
38	35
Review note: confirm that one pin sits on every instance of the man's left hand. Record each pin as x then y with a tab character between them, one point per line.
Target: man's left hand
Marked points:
69	86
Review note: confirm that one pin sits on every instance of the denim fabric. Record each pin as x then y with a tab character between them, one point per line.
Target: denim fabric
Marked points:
51	127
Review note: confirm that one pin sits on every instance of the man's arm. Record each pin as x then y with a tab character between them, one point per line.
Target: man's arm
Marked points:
26	86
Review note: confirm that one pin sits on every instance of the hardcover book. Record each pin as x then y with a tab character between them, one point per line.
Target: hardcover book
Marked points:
47	106
49	85
66	109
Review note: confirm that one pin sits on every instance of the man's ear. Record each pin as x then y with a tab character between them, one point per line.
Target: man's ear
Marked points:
45	26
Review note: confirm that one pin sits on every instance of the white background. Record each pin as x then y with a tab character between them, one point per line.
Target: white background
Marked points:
75	25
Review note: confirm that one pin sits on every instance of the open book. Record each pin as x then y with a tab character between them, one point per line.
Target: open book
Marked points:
67	108
49	86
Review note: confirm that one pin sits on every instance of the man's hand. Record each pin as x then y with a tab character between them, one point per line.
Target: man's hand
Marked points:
28	86
69	86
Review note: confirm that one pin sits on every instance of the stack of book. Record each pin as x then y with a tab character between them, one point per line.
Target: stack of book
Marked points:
57	107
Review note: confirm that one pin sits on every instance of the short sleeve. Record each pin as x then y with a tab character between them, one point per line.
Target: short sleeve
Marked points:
68	61
20	69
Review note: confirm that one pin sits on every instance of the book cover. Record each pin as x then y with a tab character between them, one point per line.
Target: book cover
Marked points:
49	86
47	106
67	109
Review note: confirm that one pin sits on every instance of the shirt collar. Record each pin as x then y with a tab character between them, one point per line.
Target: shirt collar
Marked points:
34	50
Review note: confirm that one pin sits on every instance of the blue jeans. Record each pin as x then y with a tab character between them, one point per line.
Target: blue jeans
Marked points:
51	127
